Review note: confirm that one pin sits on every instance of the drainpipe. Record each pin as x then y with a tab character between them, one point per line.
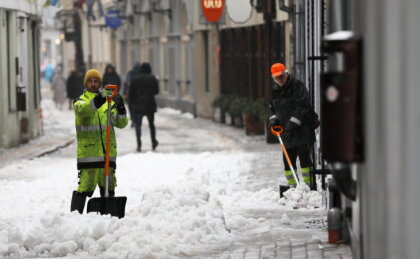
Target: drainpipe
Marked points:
296	17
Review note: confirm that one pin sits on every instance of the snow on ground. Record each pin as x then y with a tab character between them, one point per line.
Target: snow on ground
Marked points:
175	207
193	204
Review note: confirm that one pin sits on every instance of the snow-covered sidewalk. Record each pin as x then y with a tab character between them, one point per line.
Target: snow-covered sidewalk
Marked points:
208	191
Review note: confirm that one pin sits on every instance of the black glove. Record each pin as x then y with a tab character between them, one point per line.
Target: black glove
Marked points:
98	101
290	129
119	103
274	121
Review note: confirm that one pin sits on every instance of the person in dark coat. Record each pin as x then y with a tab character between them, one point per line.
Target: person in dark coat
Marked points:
130	75
290	108
111	77
74	86
141	98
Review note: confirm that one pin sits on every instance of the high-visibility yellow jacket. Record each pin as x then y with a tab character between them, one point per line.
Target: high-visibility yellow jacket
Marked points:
91	131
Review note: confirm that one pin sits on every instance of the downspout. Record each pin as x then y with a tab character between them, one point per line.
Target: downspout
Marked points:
296	17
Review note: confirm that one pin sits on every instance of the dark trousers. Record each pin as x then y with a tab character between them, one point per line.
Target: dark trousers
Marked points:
138	118
303	152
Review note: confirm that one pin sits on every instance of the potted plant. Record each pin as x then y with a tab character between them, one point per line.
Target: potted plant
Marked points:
254	116
217	114
236	108
221	105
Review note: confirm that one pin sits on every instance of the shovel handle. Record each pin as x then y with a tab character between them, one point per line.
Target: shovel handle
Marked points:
277	130
108	136
108	128
114	91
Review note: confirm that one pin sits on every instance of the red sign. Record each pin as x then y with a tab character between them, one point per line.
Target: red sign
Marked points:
212	9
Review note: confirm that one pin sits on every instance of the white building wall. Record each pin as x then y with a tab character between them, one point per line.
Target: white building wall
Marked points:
16	42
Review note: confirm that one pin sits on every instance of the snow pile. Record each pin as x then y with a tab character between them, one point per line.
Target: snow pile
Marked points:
301	197
175	207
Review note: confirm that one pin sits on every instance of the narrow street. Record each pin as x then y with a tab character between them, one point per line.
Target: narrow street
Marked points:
208	191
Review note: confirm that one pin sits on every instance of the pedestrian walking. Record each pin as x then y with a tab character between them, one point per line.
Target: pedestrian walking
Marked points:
111	77
58	86
90	111
74	86
130	75
48	72
290	108
141	98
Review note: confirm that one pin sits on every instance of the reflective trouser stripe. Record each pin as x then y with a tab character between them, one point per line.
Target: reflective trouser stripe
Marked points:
94	159
289	177
306	174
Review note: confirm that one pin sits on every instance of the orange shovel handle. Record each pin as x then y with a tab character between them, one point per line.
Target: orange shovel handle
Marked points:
114	90
107	148
108	128
277	130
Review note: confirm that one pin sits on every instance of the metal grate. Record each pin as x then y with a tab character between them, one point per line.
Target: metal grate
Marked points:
289	250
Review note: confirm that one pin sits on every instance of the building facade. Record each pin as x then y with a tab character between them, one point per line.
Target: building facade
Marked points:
19	72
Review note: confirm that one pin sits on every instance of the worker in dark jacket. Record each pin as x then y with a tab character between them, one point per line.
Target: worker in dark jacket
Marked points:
111	77
290	108
141	98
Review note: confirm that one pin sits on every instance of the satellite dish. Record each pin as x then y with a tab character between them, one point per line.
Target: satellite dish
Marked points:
239	11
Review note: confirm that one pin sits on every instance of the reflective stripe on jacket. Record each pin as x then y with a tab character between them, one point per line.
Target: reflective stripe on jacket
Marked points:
91	131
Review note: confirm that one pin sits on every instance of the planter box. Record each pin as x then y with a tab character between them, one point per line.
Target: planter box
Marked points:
229	119
252	125
219	116
238	122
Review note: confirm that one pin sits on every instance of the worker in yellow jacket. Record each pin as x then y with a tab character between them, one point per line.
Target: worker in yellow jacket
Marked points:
91	117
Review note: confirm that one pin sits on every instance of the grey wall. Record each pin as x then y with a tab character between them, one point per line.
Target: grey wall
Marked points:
391	175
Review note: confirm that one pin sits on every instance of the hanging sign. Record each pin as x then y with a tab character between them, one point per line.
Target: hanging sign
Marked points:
112	19
212	9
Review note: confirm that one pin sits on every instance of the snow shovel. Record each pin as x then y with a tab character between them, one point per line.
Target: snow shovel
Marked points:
108	205
277	131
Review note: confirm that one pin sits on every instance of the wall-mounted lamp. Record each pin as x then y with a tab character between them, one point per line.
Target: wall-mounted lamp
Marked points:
155	8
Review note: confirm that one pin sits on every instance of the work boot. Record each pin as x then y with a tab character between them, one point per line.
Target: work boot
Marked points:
78	202
155	144
138	145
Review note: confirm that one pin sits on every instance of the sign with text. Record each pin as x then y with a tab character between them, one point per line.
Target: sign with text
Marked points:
212	9
112	19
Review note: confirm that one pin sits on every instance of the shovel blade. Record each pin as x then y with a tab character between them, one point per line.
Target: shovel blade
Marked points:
110	205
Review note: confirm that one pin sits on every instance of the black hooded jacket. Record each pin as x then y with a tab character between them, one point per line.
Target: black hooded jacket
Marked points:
130	75
74	85
142	90
111	78
291	101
